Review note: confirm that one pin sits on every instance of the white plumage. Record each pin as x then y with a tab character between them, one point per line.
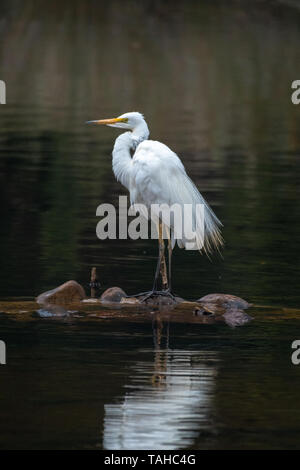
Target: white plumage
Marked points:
156	175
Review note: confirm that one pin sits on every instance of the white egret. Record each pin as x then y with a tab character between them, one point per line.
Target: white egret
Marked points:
156	175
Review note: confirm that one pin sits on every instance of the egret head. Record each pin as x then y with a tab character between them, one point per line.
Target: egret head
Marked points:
128	121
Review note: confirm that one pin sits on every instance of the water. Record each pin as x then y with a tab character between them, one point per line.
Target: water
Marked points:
148	383
214	84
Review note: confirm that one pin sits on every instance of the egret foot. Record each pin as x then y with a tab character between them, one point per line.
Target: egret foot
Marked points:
155	295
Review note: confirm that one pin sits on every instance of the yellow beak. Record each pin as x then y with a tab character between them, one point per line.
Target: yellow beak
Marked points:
107	121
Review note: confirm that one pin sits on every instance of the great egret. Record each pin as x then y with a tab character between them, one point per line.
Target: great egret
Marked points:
156	175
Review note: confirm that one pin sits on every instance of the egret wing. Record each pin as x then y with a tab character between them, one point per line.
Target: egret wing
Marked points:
158	177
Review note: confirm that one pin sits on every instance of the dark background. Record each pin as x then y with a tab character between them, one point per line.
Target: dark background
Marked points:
213	79
214	82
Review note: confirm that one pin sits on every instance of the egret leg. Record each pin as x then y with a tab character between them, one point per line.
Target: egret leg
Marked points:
161	262
168	290
170	249
160	259
160	269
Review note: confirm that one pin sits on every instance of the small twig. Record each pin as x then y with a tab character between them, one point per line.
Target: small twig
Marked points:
94	284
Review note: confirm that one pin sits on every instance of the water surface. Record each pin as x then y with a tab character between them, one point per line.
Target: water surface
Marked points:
149	382
214	82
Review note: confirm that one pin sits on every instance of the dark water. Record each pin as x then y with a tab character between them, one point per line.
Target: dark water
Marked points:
149	384
214	82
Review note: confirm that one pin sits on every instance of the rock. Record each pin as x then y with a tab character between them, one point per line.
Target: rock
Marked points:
68	293
235	317
113	294
224	300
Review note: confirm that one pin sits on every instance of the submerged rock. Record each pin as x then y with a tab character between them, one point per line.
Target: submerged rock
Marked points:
236	317
113	294
67	293
229	307
232	316
52	310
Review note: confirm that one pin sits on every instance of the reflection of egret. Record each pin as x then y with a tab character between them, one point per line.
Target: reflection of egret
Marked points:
164	408
155	175
160	356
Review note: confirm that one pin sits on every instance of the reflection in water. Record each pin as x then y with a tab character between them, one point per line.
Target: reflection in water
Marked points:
166	403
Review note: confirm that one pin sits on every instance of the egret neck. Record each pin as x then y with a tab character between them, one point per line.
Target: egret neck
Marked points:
124	144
